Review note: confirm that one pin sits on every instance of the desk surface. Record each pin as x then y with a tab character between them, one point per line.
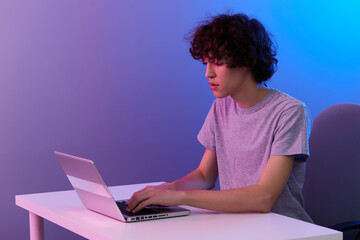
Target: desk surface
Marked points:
65	209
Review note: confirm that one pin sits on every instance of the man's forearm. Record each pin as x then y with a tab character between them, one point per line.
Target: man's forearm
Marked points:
248	199
259	197
193	181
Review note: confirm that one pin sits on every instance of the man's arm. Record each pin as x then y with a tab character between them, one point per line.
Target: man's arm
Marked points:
260	197
256	198
203	178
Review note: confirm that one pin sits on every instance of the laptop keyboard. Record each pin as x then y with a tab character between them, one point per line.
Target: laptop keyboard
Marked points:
122	206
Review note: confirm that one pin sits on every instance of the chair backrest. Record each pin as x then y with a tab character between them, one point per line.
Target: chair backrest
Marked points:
332	187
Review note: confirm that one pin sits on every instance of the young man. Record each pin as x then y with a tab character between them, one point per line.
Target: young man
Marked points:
256	138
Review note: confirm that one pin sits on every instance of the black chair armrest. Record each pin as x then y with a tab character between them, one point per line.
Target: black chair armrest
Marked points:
346	226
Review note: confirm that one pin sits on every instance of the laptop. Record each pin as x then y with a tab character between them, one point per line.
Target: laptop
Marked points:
95	195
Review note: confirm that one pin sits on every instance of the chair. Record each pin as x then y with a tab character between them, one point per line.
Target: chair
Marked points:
332	187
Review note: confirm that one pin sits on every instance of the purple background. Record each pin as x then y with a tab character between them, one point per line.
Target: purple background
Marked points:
113	81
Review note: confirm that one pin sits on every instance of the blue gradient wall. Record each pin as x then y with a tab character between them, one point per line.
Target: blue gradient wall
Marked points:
113	81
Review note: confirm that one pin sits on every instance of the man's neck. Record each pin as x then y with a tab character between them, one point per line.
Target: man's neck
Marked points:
250	95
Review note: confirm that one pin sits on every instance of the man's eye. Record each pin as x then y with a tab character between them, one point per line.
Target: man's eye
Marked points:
218	62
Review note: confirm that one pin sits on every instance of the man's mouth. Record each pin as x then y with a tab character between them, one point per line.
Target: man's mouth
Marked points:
213	86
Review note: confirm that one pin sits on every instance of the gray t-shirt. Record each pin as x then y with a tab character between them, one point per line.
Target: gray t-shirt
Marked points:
244	139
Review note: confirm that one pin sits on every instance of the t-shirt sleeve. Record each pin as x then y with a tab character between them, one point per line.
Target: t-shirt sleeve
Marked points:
292	133
206	135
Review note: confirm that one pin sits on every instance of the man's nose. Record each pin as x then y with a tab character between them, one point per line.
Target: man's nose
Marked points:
209	71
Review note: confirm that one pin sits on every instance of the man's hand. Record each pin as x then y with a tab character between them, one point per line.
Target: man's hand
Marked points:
154	195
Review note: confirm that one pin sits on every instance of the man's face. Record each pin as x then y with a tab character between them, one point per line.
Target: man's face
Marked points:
224	81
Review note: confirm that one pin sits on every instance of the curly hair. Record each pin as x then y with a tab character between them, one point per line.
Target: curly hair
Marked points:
239	41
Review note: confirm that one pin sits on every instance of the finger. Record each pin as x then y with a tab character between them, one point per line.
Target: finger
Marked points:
147	188
137	199
130	202
135	196
142	205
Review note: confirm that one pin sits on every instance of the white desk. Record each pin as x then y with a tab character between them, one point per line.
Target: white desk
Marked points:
65	209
